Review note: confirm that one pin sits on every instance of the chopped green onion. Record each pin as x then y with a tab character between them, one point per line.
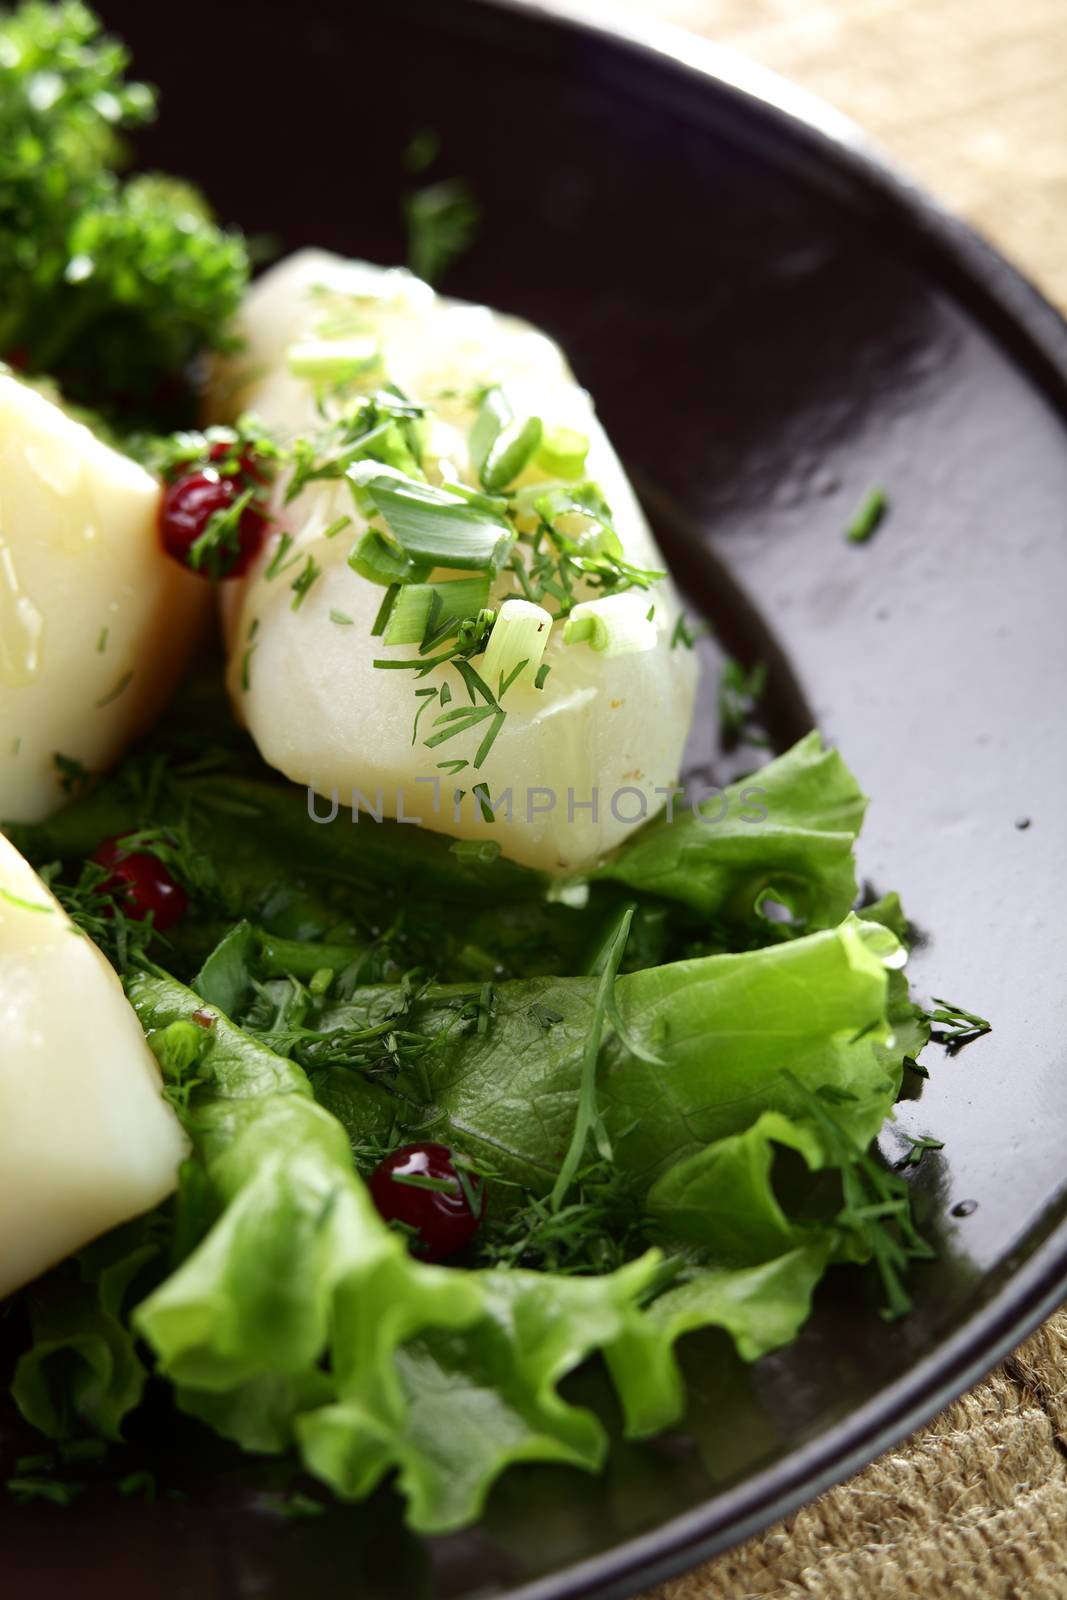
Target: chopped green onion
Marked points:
388	601
375	559
868	516
517	643
562	452
512	452
495	503
447	529
28	905
585	630
333	360
341	618
434	609
584	501
502	445
494	414
617	625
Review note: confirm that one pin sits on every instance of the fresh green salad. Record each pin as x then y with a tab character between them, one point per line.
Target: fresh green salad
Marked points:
387	1032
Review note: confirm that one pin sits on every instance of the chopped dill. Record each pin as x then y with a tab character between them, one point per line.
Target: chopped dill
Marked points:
953	1027
119	689
303	581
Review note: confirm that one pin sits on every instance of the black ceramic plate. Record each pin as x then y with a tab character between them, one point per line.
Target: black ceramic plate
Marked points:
771	325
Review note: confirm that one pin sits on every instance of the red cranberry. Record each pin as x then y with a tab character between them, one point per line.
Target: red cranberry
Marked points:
187	506
419	1186
249	467
141	884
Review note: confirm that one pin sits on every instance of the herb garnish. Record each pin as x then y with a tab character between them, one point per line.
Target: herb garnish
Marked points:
877	1204
868	516
740	689
953	1027
303	581
917	1148
112	286
120	688
587	1119
441	221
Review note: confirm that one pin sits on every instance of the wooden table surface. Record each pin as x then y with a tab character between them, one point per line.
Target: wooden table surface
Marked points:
970	97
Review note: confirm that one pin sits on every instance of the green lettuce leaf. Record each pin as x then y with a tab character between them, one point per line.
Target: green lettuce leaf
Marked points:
483	1397
786	833
301	1318
721	1199
82	1374
297	1317
761	1307
728	1029
911	1025
299	1257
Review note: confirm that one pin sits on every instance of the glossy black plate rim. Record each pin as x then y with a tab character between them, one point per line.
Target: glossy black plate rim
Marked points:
1034	334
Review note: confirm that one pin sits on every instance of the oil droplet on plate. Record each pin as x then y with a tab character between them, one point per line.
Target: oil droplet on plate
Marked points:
964	1208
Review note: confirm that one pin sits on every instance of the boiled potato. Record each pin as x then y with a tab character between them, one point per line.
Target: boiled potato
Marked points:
95	621
86	1139
584	758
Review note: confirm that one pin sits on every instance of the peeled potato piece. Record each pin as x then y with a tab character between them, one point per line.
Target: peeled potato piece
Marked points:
86	1139
587	757
96	622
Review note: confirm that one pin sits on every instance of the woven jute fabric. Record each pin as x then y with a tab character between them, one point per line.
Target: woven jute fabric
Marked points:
974	1507
969	96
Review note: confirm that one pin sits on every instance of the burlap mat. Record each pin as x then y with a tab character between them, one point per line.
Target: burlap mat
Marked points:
971	97
972	1508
